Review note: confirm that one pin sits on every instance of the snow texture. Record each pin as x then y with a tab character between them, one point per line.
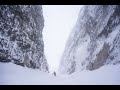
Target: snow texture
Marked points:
11	74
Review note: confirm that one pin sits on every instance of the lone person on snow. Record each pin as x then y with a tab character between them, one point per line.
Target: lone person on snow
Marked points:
54	73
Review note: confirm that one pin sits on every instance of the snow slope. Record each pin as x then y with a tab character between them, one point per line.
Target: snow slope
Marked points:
13	74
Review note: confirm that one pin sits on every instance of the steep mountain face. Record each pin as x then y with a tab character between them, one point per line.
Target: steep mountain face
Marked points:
21	39
94	41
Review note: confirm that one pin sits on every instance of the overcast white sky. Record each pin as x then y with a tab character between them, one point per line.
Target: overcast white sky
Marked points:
59	21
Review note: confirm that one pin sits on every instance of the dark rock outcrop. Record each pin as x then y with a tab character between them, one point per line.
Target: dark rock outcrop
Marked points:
21	39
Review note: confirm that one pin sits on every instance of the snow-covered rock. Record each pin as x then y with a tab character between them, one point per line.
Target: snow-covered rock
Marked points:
21	40
94	40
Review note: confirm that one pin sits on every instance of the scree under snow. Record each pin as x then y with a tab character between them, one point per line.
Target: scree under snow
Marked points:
13	74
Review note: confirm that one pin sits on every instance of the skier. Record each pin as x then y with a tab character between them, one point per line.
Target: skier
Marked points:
54	73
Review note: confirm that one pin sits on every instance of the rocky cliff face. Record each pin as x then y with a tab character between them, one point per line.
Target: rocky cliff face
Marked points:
94	41
21	39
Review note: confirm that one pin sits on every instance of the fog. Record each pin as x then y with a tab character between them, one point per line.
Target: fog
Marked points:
59	21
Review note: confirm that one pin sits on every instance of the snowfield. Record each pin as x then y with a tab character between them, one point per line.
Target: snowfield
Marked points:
11	74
